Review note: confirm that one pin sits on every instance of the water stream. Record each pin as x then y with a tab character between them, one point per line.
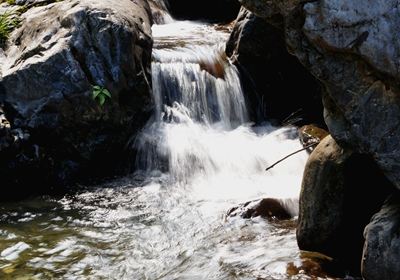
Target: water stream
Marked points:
198	156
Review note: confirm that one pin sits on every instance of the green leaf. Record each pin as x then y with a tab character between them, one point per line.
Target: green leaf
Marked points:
96	88
102	99
106	93
96	93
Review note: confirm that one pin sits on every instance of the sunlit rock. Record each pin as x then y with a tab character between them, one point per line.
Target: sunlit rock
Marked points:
50	65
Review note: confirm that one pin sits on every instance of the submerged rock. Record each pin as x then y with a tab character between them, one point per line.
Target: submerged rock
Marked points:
337	202
47	76
274	80
268	208
381	256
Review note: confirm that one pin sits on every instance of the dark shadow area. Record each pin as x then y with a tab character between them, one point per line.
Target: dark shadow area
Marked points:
207	10
366	189
277	86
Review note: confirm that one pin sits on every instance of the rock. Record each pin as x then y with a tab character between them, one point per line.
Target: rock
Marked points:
268	208
160	11
311	134
271	75
51	63
336	202
353	49
209	10
381	254
313	264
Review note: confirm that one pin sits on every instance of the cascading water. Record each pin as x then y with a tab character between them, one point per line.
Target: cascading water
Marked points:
199	156
200	132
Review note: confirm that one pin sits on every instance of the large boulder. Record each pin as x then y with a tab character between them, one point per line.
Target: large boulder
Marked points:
275	82
337	200
381	256
352	47
209	10
47	77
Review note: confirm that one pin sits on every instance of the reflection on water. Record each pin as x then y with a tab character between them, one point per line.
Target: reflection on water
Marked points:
149	230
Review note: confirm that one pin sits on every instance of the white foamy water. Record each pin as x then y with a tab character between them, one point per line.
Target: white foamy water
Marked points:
198	157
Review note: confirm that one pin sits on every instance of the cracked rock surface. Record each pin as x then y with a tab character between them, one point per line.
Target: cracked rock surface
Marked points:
352	47
47	71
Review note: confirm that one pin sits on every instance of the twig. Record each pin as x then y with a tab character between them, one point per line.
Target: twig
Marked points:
292	154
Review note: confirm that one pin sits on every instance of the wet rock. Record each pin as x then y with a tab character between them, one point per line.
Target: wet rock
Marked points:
312	264
268	208
270	75
160	11
47	75
311	134
332	214
209	10
352	48
381	256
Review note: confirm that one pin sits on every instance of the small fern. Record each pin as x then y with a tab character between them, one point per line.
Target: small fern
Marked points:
101	94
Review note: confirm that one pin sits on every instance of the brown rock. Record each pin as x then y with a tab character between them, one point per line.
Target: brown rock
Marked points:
268	208
332	213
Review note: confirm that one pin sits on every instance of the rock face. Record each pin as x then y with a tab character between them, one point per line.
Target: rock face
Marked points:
210	10
353	49
271	75
268	208
332	215
381	254
47	73
160	11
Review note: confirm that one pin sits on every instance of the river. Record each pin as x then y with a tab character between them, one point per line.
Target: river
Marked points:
198	156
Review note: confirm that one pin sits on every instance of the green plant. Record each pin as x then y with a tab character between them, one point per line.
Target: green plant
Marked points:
10	2
101	94
8	22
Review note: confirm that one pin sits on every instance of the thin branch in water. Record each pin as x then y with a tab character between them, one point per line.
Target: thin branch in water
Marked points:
292	154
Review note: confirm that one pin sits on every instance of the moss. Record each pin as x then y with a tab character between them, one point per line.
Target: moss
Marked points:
8	22
9	2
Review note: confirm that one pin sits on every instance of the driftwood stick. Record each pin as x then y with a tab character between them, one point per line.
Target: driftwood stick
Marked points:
292	154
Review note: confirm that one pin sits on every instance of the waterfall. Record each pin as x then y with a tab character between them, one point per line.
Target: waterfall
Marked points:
200	133
198	156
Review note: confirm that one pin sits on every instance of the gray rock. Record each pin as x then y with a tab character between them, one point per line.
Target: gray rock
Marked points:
50	65
332	216
381	256
353	49
366	28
